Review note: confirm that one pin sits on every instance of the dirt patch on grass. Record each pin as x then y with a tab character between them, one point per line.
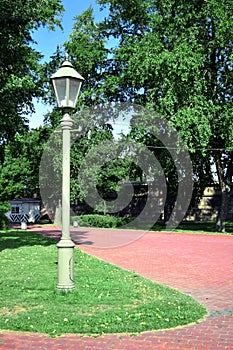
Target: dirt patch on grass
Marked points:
5	311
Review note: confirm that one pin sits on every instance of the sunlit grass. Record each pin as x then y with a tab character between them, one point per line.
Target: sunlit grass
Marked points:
106	299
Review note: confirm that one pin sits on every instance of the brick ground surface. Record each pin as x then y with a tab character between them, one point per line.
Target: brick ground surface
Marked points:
199	265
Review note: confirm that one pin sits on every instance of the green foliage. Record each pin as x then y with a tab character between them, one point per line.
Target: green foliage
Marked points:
51	161
180	56
97	220
89	55
20	76
107	299
4	222
173	57
83	146
109	221
104	175
203	227
19	173
50	171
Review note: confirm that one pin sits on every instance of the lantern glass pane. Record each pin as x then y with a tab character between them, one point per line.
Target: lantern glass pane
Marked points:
60	90
75	85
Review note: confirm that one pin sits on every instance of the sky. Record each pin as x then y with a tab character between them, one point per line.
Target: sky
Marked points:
47	42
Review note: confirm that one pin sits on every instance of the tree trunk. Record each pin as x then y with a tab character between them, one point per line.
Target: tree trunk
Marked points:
225	186
222	214
57	217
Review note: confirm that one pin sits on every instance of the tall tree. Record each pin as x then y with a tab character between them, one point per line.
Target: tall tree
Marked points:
174	57
20	73
88	52
51	163
19	173
177	58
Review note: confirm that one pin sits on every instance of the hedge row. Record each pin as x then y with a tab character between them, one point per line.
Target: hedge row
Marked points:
3	221
103	221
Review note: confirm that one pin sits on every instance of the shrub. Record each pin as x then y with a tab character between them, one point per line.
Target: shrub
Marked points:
103	221
4	222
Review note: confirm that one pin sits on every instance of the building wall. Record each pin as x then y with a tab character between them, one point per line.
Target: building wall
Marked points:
205	210
27	211
208	206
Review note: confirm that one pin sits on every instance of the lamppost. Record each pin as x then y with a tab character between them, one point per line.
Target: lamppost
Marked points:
66	83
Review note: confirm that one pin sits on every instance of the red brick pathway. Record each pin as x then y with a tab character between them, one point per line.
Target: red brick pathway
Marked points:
200	265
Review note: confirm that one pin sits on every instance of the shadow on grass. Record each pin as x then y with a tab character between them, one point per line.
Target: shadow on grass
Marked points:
208	227
12	239
204	226
197	226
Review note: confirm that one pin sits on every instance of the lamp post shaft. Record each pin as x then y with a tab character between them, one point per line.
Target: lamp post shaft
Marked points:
66	245
66	125
66	83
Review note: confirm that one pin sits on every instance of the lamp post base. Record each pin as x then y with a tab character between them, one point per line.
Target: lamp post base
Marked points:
65	265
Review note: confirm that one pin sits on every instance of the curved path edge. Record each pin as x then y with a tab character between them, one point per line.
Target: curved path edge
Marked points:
199	265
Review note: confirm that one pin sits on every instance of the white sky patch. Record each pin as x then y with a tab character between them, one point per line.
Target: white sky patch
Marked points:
47	42
37	118
121	125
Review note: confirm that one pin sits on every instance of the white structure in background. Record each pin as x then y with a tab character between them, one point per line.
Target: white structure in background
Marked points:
25	210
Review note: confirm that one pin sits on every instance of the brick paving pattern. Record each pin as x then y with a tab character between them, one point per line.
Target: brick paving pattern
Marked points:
199	265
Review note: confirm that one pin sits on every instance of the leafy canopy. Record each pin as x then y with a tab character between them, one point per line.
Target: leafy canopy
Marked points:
20	74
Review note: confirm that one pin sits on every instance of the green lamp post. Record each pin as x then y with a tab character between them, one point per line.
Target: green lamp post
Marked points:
66	83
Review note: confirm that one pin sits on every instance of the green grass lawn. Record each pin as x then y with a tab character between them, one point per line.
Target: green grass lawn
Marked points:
110	221
106	299
203	227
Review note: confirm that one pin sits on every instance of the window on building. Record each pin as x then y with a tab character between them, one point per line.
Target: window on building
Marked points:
15	210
